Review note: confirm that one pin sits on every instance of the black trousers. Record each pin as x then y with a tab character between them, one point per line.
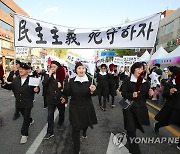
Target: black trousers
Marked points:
104	100
112	98
51	110
26	113
16	110
45	103
76	139
133	147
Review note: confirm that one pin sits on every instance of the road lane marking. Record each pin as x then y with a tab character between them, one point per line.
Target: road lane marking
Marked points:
34	146
153	106
169	128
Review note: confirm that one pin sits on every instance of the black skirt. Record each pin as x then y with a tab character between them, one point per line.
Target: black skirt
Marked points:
135	118
82	116
169	115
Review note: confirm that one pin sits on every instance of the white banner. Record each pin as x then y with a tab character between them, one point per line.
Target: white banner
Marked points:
118	61
89	64
72	59
129	60
22	51
34	33
71	70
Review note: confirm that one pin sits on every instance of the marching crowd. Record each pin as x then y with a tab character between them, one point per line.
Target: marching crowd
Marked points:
136	84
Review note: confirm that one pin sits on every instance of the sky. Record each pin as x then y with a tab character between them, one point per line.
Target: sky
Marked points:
93	13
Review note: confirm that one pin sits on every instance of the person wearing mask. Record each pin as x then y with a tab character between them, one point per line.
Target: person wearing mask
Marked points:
24	95
102	86
1	73
81	110
112	84
164	74
116	77
54	98
125	74
45	88
137	114
170	113
146	71
157	70
2	81
13	74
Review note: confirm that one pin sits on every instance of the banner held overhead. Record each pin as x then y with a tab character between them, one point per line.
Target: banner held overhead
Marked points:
34	33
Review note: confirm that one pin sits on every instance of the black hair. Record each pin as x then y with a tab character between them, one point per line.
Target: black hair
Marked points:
144	63
175	71
136	65
104	65
18	62
158	65
56	63
77	65
29	63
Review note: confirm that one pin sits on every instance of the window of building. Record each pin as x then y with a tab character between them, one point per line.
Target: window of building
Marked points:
6	26
6	9
167	29
7	44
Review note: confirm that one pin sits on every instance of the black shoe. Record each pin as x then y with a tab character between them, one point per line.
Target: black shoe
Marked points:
155	129
48	136
16	116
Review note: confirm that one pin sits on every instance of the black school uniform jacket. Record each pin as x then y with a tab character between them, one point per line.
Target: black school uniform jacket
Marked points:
102	84
137	115
53	93
170	112
112	84
11	74
81	110
24	94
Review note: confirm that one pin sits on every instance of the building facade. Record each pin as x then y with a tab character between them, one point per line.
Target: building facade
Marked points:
7	9
169	30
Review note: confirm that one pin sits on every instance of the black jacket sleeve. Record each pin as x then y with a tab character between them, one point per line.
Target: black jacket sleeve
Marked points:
46	81
67	87
8	86
125	93
10	77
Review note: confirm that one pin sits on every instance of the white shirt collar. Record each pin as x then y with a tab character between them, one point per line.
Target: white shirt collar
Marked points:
23	80
102	73
173	81
81	79
133	79
54	75
126	73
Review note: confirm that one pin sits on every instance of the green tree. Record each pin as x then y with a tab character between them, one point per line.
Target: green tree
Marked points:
61	53
124	52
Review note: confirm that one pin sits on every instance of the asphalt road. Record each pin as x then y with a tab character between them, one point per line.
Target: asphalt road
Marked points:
96	143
